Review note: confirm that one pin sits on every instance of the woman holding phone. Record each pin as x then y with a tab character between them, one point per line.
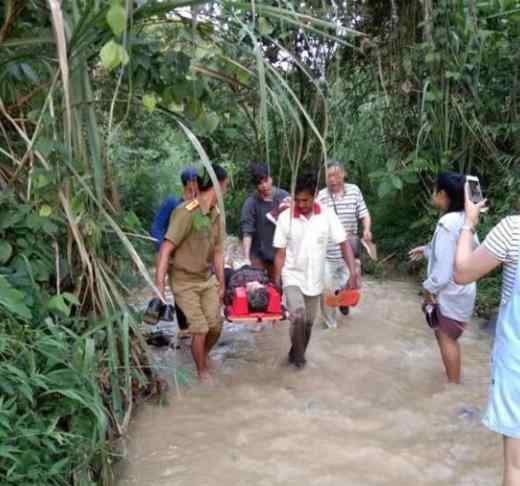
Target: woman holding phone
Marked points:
501	247
448	306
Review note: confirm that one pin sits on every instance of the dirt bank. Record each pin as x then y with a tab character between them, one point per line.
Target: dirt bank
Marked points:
371	408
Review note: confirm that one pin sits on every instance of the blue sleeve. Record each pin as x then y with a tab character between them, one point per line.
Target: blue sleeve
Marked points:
162	219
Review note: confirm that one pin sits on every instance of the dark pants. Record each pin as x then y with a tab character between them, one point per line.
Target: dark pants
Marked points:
304	311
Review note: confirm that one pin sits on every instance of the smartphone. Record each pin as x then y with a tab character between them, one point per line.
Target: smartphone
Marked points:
475	192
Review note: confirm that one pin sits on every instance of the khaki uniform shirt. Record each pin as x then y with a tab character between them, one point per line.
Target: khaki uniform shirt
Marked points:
195	236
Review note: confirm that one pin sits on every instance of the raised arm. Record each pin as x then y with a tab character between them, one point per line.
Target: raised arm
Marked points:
471	265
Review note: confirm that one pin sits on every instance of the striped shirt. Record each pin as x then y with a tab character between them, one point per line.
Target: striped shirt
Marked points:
503	242
350	207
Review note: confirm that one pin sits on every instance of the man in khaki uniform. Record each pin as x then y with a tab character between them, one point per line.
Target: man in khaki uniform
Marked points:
191	245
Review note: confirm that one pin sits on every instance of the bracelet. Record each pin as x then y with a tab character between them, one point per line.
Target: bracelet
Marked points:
467	227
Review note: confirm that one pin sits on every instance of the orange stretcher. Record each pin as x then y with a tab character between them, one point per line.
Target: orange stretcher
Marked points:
239	308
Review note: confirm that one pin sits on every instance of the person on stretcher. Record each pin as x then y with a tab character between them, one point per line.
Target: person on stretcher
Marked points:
249	292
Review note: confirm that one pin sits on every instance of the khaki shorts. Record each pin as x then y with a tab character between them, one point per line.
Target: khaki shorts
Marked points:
200	303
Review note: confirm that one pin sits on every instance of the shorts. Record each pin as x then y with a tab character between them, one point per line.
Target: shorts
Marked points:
446	325
200	303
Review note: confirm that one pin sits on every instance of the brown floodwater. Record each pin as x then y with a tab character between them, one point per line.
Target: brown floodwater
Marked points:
371	408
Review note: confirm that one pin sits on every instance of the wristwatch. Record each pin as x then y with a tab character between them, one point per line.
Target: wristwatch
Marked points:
467	227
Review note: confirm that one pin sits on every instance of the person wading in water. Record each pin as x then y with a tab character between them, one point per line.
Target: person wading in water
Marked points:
194	242
301	238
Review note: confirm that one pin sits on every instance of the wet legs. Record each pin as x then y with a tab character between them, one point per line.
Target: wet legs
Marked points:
450	353
198	351
511	462
304	311
300	336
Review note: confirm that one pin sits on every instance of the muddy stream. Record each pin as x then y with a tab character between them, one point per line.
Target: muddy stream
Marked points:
371	408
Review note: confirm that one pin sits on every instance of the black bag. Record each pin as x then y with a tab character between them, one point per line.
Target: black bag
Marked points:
430	314
157	311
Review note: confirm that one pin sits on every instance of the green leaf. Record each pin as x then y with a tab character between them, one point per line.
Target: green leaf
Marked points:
212	122
243	76
110	55
206	122
396	182
6	251
149	102
176	108
45	211
8	452
116	18
29	72
40	181
123	56
71	298
8	219
201	52
59	467
13	300
385	188
390	165
200	222
264	27
57	303
45	146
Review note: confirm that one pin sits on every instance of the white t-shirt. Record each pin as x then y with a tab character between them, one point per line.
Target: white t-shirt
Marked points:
503	242
350	207
305	241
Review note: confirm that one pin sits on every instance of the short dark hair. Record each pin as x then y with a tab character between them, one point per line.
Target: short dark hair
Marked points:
188	174
258	173
452	184
306	182
205	181
258	299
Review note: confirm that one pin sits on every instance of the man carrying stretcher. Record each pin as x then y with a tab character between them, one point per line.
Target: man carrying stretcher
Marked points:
301	238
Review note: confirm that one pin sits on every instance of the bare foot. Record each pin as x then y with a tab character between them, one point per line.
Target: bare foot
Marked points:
212	363
205	378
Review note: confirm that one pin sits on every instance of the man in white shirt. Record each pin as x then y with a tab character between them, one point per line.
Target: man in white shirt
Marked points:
346	200
301	239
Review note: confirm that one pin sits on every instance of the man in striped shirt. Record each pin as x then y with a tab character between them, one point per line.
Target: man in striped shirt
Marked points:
346	200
